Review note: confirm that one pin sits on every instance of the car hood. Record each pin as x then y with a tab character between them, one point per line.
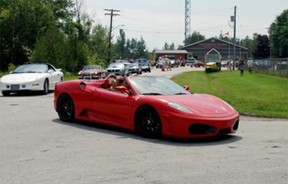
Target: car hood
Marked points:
134	67
201	104
211	64
22	77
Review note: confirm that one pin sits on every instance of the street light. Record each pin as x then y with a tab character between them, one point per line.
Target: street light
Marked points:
121	25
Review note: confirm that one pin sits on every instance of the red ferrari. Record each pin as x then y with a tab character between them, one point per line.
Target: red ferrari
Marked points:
152	106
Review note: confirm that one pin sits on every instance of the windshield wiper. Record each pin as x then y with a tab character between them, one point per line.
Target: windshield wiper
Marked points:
152	94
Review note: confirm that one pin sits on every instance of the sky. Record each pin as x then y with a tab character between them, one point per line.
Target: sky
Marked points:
163	21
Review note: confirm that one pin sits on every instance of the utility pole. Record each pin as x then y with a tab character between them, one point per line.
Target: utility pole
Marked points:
233	19
112	14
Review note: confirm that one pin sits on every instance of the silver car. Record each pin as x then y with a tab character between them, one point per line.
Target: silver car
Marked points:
118	69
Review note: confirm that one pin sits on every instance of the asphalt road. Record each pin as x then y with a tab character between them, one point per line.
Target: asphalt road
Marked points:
37	148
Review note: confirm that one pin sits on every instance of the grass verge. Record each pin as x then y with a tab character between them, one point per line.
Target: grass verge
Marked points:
251	94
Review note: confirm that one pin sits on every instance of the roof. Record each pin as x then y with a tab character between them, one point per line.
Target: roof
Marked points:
170	52
196	43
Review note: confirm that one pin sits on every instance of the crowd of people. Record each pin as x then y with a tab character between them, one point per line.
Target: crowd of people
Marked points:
241	65
166	63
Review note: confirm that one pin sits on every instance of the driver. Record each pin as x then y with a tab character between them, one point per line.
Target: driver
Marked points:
112	81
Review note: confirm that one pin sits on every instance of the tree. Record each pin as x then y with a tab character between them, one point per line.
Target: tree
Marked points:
130	48
250	44
121	43
51	48
141	49
98	44
195	37
169	47
166	46
262	49
23	22
279	35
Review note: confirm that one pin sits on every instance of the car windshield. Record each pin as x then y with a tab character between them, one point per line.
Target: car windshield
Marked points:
32	68
154	85
116	65
134	64
90	67
142	63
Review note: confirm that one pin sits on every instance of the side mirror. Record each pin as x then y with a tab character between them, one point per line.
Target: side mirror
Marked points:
186	87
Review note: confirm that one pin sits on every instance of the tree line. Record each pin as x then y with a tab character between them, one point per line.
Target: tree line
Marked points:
58	32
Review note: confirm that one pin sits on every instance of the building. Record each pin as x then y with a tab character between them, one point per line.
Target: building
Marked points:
172	54
213	46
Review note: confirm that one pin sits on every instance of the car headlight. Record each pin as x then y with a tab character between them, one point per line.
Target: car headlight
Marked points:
179	107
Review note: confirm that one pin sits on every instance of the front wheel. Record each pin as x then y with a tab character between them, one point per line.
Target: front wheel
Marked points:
45	87
148	122
65	108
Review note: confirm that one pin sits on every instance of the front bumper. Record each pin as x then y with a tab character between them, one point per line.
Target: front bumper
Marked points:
184	126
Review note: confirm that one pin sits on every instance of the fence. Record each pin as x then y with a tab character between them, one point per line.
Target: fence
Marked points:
275	66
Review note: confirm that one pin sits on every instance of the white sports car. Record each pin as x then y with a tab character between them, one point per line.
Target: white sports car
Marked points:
31	77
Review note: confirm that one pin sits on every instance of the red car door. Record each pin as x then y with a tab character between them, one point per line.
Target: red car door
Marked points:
113	107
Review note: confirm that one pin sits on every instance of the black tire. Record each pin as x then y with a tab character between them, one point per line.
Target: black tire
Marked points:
148	122
45	87
65	108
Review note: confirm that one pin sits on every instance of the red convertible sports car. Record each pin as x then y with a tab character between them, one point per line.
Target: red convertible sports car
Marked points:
152	106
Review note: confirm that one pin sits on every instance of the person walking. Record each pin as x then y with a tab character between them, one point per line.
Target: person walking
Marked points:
250	65
241	66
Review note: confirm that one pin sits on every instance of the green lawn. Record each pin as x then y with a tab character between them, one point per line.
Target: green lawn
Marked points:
251	94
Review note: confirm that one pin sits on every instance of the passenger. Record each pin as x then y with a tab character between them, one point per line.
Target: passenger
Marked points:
110	82
120	81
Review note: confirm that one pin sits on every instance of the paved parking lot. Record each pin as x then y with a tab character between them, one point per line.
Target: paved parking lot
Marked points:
36	147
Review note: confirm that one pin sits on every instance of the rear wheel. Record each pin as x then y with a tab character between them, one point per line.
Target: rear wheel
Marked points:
148	122
65	108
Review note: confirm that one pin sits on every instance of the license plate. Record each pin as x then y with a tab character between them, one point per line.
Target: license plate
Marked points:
15	87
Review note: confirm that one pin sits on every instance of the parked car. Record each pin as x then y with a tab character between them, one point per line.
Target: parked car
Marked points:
144	65
173	61
118	69
119	61
92	72
190	61
224	63
135	68
198	64
159	64
31	77
152	106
